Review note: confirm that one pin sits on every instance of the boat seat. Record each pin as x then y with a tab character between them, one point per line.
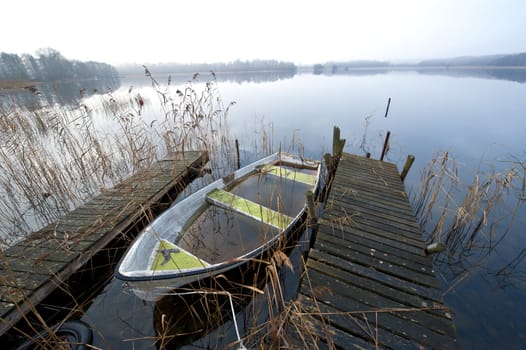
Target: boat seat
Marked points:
289	174
172	257
244	206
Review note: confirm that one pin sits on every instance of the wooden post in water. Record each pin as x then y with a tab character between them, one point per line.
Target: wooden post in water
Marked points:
311	216
386	146
337	143
408	162
387	109
329	163
237	152
331	170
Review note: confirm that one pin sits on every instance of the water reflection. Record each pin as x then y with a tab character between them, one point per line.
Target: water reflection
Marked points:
183	318
63	93
510	74
219	235
182	78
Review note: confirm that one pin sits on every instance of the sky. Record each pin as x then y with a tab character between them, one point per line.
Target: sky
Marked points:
304	32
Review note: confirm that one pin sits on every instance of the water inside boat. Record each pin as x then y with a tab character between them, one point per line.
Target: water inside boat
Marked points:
219	234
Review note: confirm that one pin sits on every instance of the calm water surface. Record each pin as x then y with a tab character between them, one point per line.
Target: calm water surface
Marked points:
480	121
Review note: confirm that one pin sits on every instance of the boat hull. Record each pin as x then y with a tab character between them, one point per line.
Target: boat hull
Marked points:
177	267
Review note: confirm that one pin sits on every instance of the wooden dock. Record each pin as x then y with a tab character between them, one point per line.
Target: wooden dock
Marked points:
369	284
33	268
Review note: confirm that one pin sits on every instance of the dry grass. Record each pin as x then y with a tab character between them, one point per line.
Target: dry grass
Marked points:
465	216
54	159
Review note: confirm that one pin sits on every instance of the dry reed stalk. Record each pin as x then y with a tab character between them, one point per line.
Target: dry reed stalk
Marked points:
61	157
460	214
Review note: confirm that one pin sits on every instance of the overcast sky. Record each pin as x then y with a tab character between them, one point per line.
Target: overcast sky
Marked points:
300	31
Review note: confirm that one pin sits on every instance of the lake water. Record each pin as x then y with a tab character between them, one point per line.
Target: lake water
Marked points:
479	120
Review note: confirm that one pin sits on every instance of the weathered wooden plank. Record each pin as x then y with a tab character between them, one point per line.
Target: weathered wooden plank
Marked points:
53	251
366	177
358	325
375	209
365	294
408	286
411	230
377	236
371	166
375	227
381	205
315	332
389	255
371	325
38	265
367	186
380	263
347	186
23	280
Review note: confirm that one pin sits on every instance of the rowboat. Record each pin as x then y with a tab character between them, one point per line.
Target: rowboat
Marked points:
223	226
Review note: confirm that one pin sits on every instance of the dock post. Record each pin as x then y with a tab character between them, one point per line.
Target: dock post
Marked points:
237	152
312	218
337	143
409	161
387	109
329	163
386	146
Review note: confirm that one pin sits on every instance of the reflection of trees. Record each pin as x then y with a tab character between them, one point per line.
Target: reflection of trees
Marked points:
511	74
138	80
472	219
225	67
57	80
352	68
63	93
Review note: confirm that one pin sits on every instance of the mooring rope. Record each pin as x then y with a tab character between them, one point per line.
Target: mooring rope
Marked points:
241	345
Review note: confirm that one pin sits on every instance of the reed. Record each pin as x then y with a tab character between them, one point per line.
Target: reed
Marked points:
464	216
54	159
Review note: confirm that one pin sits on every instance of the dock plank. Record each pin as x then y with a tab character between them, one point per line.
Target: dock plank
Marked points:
367	275
33	268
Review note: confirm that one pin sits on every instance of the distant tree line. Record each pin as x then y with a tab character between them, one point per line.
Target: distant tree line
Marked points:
49	65
511	60
237	66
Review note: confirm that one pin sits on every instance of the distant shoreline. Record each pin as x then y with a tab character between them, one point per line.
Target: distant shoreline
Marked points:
17	84
417	67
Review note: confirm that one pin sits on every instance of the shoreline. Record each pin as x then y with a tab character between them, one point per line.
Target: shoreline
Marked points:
17	85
